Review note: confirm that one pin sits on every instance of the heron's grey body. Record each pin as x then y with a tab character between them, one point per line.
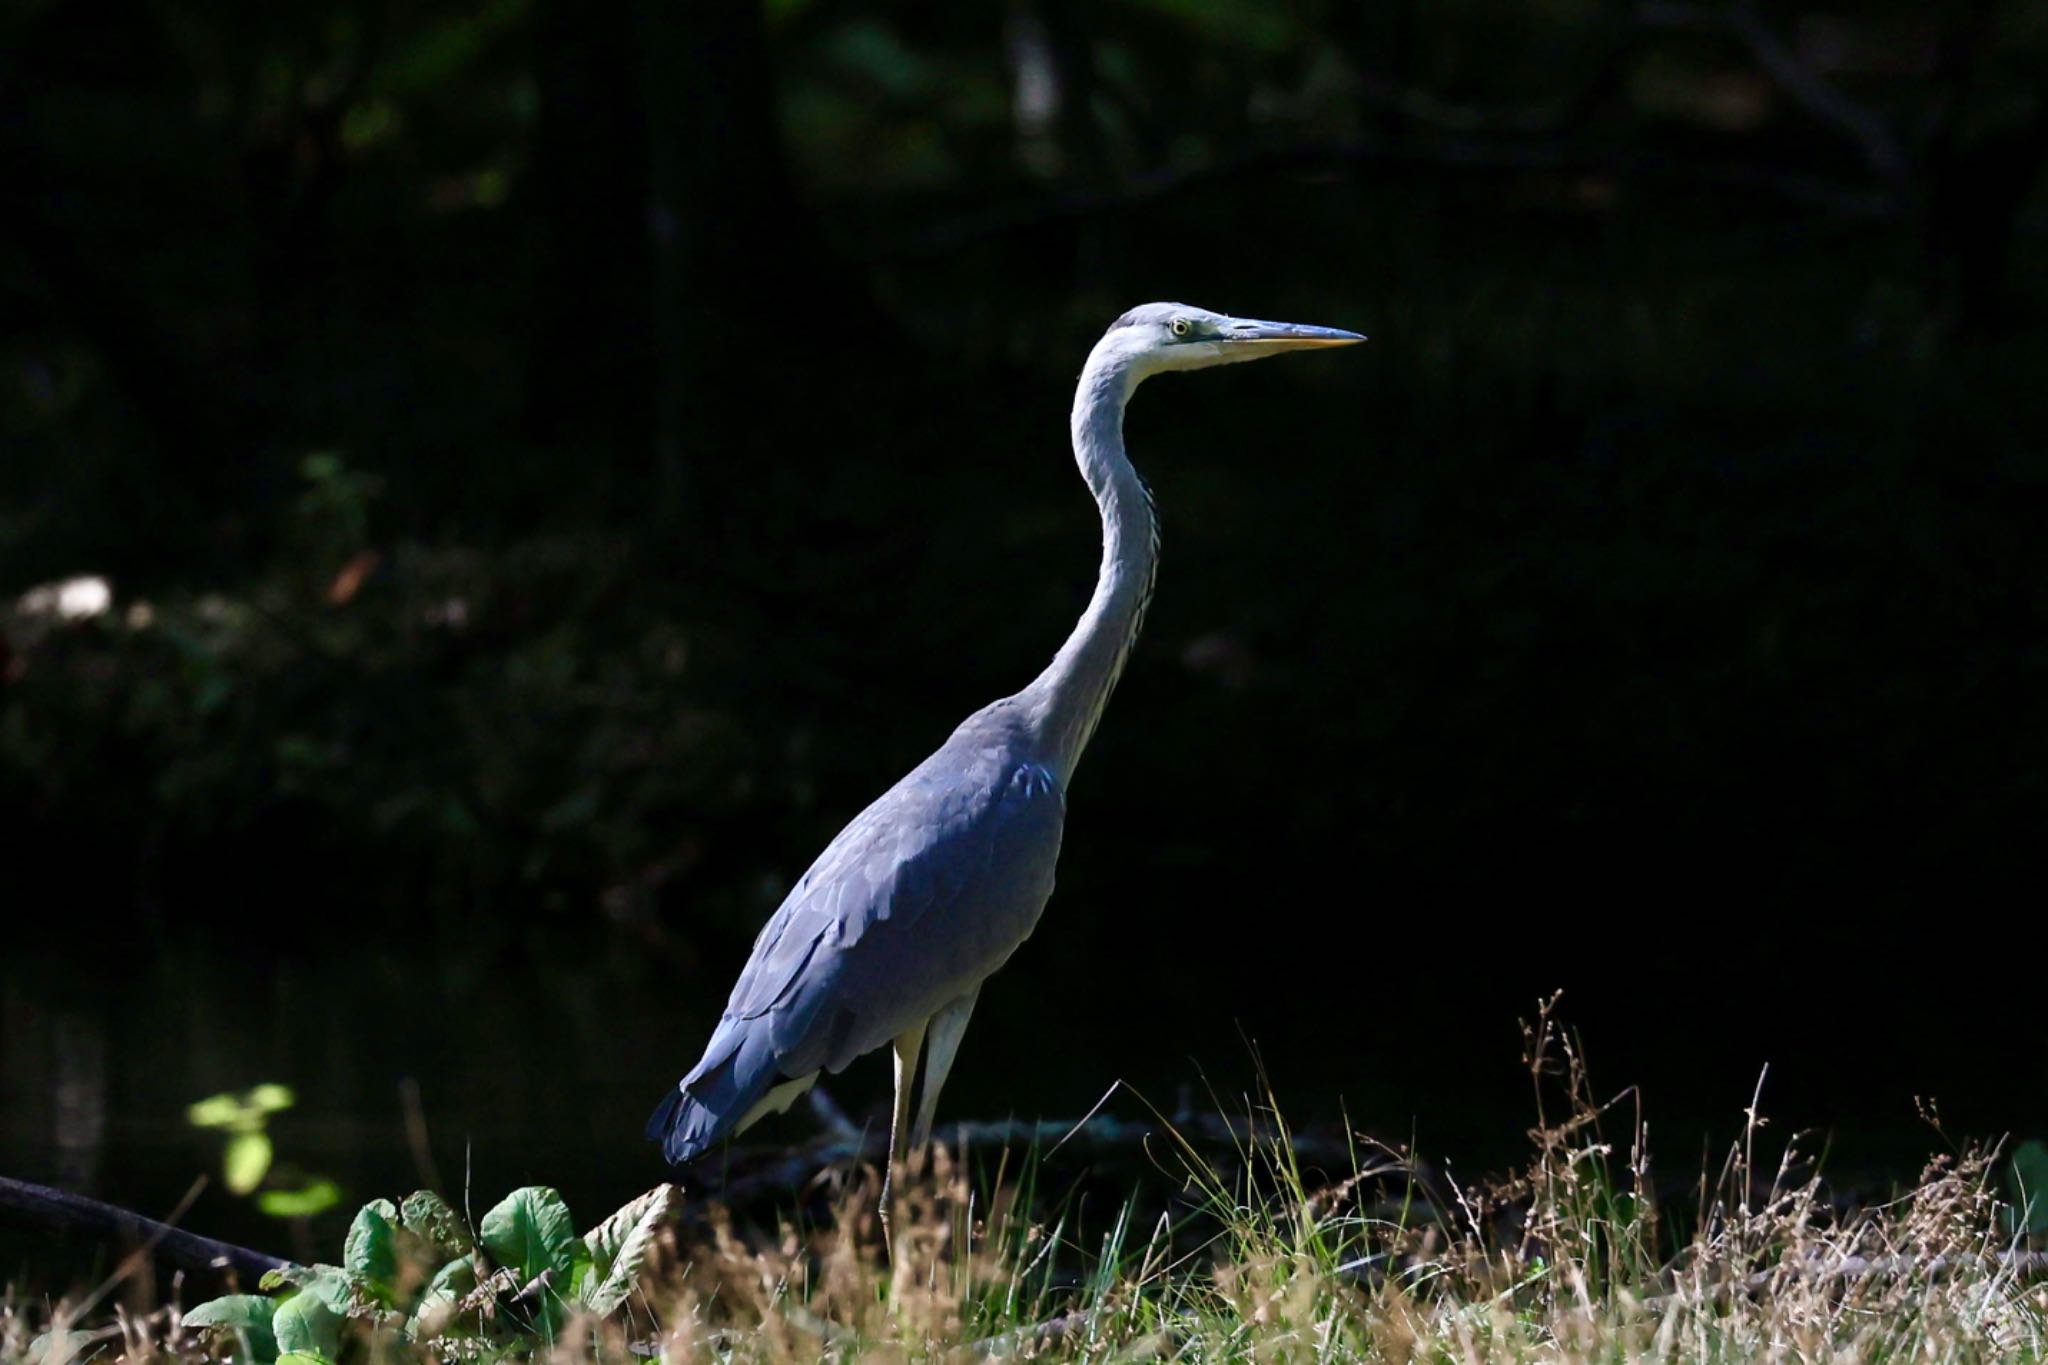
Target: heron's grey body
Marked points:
925	894
890	934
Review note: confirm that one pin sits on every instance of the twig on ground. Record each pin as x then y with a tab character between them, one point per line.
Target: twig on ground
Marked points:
1029	1340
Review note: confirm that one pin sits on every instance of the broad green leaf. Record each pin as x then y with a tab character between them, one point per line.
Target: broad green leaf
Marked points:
457	1278
619	1247
248	1316
530	1233
316	1196
442	1299
232	1310
427	1216
369	1255
608	1237
302	1358
246	1162
530	1230
328	1283
304	1324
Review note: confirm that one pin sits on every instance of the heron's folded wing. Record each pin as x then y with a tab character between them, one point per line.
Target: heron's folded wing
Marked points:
810	914
933	884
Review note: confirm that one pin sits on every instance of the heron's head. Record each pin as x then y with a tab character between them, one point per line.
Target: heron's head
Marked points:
1155	337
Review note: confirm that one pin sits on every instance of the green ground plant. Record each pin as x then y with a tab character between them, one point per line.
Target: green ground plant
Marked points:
412	1275
248	1157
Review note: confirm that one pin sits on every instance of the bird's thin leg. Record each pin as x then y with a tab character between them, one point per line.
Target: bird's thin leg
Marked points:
942	1040
907	1047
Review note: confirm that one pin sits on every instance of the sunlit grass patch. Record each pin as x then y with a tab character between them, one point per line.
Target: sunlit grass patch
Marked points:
1256	1253
1573	1258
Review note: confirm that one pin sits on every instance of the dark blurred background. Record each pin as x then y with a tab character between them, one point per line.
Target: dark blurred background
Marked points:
490	488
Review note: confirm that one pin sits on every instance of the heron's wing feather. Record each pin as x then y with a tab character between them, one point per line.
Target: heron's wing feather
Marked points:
923	895
920	898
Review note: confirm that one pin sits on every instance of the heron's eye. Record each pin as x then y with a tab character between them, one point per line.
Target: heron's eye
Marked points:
1181	327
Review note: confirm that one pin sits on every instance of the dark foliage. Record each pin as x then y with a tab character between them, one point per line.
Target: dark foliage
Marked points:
553	463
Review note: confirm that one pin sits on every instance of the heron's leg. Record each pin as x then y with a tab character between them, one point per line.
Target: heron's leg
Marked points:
946	1029
907	1046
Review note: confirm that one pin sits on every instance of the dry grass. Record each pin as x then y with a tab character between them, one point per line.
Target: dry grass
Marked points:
1573	1260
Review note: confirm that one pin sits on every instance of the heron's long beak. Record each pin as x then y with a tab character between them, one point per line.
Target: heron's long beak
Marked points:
1285	336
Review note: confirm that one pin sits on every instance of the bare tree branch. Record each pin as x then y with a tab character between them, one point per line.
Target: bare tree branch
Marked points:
1436	153
1805	86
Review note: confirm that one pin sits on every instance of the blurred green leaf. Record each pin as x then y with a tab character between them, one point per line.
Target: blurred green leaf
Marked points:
246	1161
440	52
270	1098
578	808
216	1111
321	467
315	1196
1238	24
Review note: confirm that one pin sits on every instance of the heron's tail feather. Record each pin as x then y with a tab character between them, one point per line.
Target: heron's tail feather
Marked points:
666	1118
714	1101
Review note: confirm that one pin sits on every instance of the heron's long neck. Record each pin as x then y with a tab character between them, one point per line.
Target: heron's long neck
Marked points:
1065	702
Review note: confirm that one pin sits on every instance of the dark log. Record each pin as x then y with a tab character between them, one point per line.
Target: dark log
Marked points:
38	1208
749	1177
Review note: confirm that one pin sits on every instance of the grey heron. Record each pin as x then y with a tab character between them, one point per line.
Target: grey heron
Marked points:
887	939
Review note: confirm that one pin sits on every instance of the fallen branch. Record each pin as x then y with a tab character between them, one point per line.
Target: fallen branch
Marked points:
1032	1339
60	1213
2019	1263
750	1177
